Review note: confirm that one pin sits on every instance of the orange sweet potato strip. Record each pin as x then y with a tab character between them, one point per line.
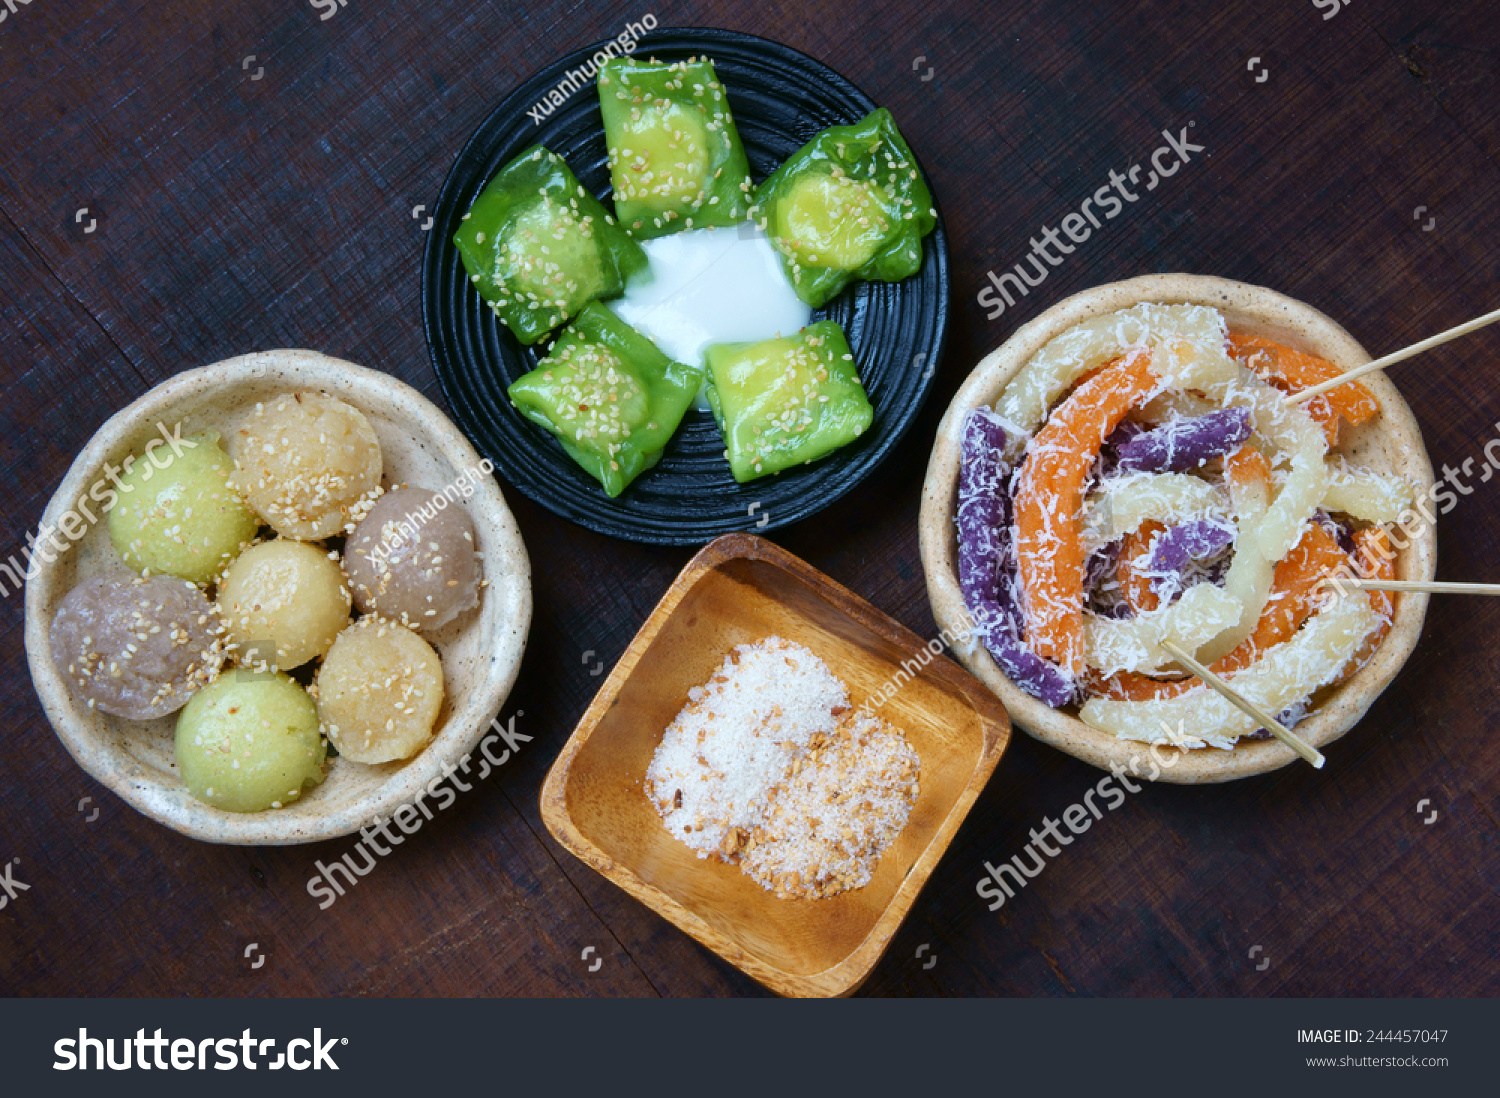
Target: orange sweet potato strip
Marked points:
1373	558
1089	375
1296	590
1049	505
1294	370
1137	589
1246	464
1294	596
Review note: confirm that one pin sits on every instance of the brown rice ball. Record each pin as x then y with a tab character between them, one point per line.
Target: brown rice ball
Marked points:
304	461
412	559
286	593
379	692
136	648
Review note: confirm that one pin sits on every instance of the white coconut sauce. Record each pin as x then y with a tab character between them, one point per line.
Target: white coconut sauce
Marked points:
708	286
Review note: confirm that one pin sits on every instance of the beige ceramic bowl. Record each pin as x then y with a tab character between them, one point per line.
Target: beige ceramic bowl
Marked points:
481	651
1392	443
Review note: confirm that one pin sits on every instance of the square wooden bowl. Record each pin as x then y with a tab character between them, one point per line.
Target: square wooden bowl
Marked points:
740	589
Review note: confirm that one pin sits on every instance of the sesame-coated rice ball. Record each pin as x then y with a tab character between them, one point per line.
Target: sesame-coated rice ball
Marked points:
136	648
414	561
177	513
306	462
379	692
286	593
250	742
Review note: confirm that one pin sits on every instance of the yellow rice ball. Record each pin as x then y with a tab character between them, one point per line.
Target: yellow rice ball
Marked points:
304	461
379	692
286	593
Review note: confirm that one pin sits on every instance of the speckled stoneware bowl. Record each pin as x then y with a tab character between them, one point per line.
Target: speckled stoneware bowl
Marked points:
1392	443
481	651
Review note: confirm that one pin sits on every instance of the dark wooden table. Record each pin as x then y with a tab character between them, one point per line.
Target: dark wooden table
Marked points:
250	204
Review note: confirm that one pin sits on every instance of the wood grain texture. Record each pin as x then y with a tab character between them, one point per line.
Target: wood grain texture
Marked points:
240	215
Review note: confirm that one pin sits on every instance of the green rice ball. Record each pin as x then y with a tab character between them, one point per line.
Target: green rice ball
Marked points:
250	742
177	514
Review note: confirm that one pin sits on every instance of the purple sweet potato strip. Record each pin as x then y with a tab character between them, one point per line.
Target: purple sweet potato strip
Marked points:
1101	565
984	552
983	506
1185	444
1339	531
1102	593
1125	431
1196	540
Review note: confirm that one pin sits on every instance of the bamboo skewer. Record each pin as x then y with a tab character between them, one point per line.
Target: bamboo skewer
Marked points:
1436	587
1391	359
1266	721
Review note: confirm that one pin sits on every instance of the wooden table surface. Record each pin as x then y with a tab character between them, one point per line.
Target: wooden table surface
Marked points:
243	205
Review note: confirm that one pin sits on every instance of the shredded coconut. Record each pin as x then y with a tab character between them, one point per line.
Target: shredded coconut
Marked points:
768	767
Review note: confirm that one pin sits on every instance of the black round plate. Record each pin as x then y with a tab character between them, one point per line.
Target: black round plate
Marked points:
780	99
